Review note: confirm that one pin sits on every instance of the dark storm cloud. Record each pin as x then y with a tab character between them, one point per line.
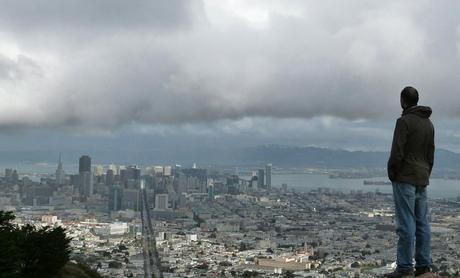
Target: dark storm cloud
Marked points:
106	64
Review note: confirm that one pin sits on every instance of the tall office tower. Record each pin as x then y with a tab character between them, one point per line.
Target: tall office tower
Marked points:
124	176
8	173
232	180
86	178
75	182
86	184
176	170
137	173
131	199
109	177
84	164
161	201
233	184
180	183
14	177
133	172
268	175
115	197
60	174
253	182
260	178
196	180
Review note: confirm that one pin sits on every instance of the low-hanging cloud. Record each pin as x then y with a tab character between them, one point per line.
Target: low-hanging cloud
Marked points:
104	65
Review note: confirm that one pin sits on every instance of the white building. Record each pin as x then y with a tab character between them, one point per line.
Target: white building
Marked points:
191	237
158	170
49	219
118	228
167	171
98	170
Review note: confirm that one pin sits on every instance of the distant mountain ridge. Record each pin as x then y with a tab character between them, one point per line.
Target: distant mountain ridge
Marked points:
315	157
323	157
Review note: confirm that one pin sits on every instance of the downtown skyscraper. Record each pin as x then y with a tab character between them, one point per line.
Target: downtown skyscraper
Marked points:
85	176
60	174
268	175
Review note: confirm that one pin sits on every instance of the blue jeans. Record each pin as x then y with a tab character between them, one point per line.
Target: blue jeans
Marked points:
412	226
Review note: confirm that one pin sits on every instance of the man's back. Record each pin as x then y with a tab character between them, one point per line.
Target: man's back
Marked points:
412	152
409	168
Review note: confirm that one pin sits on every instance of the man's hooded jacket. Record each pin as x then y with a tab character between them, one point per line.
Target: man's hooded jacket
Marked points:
412	152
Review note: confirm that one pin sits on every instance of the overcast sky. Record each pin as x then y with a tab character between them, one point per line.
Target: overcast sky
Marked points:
322	73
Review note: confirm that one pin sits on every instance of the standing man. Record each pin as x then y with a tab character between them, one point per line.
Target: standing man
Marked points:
409	168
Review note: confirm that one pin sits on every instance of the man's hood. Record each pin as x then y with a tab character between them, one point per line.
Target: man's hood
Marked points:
421	111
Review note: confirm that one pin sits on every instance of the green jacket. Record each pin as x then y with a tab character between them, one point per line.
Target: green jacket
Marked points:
412	153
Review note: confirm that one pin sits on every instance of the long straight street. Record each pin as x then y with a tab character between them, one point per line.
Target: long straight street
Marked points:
151	260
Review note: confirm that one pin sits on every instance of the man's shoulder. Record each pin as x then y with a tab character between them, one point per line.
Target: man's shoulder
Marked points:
410	121
401	120
408	116
411	117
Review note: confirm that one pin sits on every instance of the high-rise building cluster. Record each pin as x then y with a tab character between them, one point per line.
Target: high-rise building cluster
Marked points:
114	188
262	178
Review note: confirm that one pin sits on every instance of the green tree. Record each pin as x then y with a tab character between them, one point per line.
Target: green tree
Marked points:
9	251
30	252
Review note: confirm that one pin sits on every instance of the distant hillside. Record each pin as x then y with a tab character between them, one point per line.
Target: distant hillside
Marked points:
313	157
322	157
